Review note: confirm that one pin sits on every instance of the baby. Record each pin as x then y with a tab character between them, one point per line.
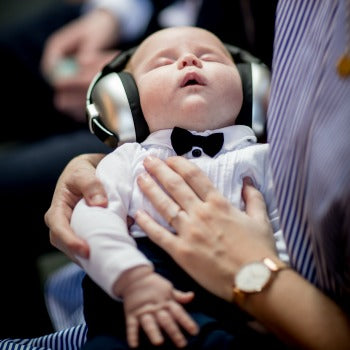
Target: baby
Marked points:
190	93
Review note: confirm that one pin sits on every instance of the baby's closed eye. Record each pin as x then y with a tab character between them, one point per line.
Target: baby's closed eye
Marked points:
162	61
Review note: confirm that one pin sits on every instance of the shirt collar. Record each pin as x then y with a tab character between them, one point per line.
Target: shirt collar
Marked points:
235	136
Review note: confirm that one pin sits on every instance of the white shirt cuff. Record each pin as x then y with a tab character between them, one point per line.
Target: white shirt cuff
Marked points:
133	15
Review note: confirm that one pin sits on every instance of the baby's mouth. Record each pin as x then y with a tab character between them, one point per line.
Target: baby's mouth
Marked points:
191	82
192	79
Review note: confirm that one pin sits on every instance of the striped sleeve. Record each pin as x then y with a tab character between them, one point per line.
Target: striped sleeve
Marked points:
69	339
308	130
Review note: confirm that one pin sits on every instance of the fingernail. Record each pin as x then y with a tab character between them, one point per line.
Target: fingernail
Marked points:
248	181
97	199
139	213
144	177
149	159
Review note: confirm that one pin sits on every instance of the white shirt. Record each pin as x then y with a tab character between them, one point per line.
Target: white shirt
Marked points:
112	248
135	15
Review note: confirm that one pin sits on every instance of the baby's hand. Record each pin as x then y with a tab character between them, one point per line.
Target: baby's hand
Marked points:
151	302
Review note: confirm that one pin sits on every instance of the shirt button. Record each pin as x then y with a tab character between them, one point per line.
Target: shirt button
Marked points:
196	153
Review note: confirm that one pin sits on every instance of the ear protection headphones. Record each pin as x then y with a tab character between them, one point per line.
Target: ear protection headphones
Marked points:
113	104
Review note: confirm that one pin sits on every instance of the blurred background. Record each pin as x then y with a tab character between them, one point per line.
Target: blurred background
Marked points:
11	10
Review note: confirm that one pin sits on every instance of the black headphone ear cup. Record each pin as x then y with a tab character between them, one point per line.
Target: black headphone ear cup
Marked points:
245	115
115	110
255	77
132	93
119	62
113	105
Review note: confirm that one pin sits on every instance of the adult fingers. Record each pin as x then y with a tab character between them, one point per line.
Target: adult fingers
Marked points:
254	201
77	180
157	233
62	236
196	179
50	56
57	46
57	219
160	200
173	183
83	183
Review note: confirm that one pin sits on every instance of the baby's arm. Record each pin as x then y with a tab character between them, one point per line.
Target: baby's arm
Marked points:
119	268
151	302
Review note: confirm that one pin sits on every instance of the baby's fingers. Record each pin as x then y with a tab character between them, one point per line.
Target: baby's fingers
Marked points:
182	297
168	324
151	328
132	332
183	318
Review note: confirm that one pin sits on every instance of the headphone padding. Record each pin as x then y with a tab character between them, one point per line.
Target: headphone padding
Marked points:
132	93
245	115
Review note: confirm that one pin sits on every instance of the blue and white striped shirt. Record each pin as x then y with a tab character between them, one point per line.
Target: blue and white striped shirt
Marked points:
309	133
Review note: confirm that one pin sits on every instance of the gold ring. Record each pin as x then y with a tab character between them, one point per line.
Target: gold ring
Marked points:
173	216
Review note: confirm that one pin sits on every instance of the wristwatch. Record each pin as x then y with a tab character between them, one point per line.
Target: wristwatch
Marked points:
254	277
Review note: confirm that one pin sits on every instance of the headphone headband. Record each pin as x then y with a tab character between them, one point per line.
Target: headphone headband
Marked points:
113	103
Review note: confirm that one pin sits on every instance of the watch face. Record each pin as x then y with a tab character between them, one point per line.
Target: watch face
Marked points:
252	277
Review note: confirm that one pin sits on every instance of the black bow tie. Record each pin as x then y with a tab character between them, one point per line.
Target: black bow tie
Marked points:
182	141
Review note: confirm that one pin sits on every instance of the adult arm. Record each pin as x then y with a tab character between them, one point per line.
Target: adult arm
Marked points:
76	181
214	240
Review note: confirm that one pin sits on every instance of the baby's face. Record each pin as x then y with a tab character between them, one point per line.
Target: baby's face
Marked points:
186	78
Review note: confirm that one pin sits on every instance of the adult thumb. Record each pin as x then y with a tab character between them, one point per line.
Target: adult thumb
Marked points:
254	200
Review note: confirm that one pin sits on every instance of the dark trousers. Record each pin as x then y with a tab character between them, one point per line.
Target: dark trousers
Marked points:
222	325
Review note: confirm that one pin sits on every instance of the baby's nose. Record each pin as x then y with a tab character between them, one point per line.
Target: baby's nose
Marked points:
189	59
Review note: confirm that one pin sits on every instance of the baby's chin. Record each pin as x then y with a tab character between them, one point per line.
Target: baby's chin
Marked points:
203	116
206	121
200	124
191	119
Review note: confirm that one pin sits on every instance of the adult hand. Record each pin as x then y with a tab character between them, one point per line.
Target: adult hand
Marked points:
83	43
96	31
76	181
70	91
213	239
